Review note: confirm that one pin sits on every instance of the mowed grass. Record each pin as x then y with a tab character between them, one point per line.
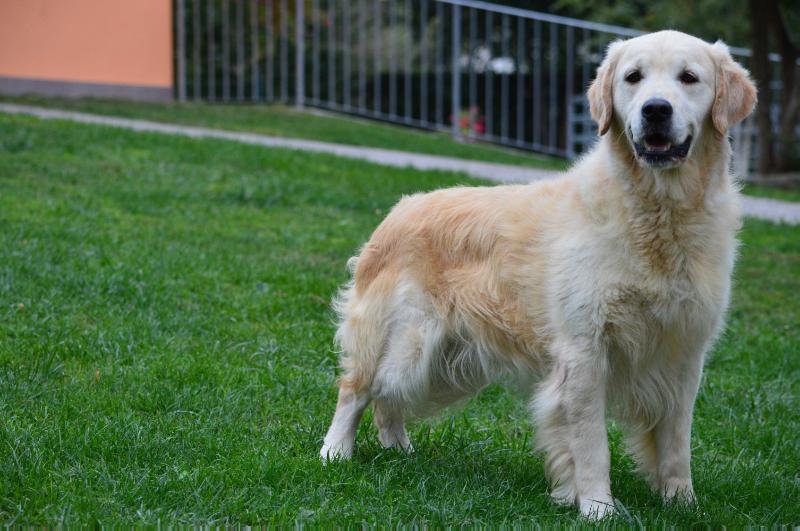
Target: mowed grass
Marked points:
784	194
165	353
280	120
284	121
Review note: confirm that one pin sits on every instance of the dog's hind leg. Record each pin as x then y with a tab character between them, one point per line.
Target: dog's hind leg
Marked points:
642	447
360	336
663	456
341	435
390	422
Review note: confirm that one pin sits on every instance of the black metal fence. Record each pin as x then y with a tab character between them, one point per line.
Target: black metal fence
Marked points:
480	70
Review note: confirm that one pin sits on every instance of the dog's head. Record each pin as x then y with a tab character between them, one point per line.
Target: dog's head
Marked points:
665	91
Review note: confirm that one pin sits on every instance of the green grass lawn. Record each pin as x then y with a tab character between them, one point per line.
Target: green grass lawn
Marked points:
279	120
772	192
286	121
165	353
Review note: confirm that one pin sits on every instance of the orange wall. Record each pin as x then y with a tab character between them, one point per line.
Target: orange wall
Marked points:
126	42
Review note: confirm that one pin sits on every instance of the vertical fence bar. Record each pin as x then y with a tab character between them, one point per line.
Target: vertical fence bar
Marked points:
211	51
439	116
409	48
504	79
587	57
536	119
362	56
392	60
331	52
376	56
197	84
269	48
568	90
456	83
552	139
423	63
473	78
240	50
315	13
300	50
180	21
487	76
254	81
520	86
226	51
284	14
346	51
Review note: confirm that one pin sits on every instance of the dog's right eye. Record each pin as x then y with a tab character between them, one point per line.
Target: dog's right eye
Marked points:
688	78
633	77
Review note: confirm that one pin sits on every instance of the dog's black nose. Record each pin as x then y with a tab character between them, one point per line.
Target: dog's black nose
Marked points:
656	110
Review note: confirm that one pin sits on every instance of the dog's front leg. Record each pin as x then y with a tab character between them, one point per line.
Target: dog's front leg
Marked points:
571	409
585	405
673	440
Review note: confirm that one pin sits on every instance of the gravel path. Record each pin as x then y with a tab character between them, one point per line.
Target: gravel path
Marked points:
768	209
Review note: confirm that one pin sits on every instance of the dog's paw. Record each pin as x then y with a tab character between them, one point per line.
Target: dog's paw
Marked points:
597	509
407	448
335	452
396	441
678	490
564	494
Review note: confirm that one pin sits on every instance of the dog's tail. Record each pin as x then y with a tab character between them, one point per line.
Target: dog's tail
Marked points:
361	332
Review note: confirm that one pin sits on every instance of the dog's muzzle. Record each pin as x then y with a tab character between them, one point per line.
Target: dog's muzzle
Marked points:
657	147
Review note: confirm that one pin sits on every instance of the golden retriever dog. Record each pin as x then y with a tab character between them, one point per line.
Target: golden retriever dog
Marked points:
601	291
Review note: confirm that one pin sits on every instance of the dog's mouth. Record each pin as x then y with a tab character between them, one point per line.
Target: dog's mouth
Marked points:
657	149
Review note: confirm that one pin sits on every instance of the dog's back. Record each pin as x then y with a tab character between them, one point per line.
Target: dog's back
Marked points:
442	298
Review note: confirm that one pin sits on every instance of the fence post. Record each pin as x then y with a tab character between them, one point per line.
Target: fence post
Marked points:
181	59
300	65
456	82
569	88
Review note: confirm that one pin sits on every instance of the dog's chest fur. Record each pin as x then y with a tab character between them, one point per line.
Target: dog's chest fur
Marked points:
655	289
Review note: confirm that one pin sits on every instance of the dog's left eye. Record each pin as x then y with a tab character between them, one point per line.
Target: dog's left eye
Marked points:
688	78
633	77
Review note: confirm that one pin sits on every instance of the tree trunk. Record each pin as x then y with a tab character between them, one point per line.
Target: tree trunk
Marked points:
790	98
761	72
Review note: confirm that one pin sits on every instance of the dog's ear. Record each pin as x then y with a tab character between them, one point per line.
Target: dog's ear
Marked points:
735	95
601	99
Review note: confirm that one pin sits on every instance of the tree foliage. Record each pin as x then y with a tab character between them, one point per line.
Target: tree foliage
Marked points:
709	19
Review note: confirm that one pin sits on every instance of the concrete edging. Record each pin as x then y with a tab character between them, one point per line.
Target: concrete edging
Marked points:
757	207
19	86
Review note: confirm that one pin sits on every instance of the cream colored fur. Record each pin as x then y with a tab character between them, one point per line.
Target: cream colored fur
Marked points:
605	288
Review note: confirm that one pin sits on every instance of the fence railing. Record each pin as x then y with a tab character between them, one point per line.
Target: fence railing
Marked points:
479	70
